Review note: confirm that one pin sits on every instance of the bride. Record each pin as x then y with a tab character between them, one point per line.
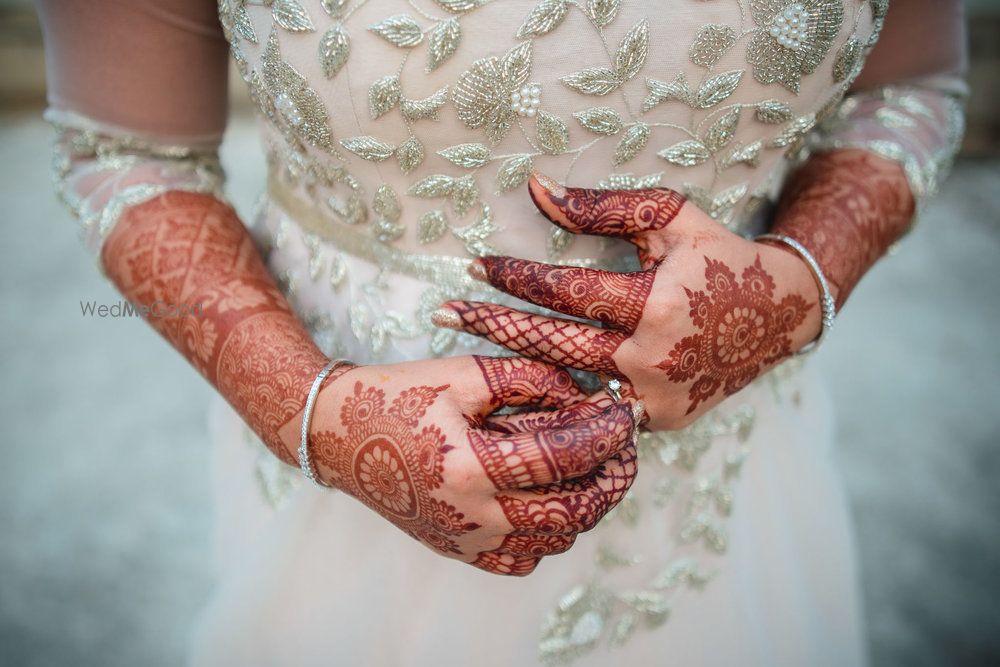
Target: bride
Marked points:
523	269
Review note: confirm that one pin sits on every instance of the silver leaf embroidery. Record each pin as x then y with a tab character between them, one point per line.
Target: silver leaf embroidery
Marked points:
475	234
435	185
545	16
686	153
335	8
632	52
425	108
334	48
553	135
603	12
401	30
748	155
386	204
468	156
513	172
847	59
773	111
659	91
383	95
592	81
601	120
243	25
464	193
796	129
635	139
717	88
293	99
410	154
458	6
710	43
290	15
368	148
443	42
431	226
482	94
722	130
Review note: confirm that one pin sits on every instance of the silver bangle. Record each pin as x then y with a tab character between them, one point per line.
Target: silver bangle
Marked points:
305	460
828	305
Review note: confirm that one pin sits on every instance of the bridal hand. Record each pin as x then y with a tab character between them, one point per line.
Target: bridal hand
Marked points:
708	312
418	443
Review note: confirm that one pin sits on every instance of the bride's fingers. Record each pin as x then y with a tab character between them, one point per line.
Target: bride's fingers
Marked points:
618	213
538	458
555	341
571	507
512	381
608	297
504	563
537	420
536	546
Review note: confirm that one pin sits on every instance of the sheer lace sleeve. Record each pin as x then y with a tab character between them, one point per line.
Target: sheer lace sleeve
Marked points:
137	96
910	105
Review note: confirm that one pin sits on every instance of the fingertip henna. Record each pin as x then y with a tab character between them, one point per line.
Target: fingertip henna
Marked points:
612	298
616	213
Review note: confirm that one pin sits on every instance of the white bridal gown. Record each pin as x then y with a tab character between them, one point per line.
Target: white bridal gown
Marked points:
399	137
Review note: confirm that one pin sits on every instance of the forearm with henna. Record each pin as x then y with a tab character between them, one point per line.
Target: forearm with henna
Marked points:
846	207
190	256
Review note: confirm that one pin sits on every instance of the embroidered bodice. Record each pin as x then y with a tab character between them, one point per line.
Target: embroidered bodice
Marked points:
418	121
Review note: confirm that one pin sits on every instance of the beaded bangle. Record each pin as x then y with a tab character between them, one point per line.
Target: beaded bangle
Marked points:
305	460
828	305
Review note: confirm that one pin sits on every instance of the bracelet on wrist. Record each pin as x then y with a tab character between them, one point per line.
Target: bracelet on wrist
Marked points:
305	457
827	302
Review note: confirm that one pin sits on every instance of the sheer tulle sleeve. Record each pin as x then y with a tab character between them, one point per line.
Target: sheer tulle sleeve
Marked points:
908	105
137	96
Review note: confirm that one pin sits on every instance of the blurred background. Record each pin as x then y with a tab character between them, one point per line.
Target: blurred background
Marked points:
104	490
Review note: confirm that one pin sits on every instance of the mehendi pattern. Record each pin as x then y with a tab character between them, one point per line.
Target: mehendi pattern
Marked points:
743	331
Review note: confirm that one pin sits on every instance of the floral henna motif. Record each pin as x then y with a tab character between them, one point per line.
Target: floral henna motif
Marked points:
504	563
572	507
518	555
377	460
520	382
743	331
847	207
542	457
615	213
191	251
605	296
537	421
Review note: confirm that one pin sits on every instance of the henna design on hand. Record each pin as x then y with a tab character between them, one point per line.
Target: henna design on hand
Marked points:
605	296
742	331
616	213
380	458
187	249
537	420
734	331
549	518
536	458
846	207
554	341
570	508
518	382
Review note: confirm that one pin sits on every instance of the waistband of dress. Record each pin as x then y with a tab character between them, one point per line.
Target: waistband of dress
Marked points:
355	241
351	240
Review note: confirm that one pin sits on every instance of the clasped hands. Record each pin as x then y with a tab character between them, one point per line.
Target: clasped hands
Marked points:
423	444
